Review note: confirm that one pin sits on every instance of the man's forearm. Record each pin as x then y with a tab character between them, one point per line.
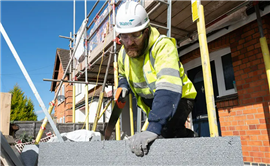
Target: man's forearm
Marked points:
163	108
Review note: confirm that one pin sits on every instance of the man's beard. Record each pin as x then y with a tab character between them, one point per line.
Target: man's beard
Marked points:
139	49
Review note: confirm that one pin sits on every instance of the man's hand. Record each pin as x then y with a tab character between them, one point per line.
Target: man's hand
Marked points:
124	93
138	143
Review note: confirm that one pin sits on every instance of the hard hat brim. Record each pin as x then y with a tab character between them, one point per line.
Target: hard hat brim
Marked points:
132	30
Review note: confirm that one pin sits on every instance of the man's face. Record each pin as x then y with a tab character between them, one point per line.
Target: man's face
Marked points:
134	43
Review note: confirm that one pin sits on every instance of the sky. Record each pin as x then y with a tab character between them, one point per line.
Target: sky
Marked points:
34	28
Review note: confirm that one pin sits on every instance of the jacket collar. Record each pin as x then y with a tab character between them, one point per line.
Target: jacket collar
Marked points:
154	34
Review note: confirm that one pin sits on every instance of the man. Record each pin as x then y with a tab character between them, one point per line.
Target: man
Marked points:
149	66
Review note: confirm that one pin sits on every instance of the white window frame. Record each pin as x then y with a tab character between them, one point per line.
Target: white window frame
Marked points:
216	57
78	88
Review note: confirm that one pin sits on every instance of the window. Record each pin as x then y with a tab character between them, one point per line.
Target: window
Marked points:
61	95
228	71
224	70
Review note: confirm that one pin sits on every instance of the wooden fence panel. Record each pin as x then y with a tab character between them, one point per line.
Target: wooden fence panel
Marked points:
31	128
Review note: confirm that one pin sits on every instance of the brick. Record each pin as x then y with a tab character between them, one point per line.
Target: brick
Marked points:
241	123
251	42
244	76
259	115
245	86
256	35
259	94
248	80
266	143
223	129
253	132
252	127
266	98
263	137
239	47
262	121
257	45
263	76
254	143
237	63
257	154
241	56
266	160
250	116
256	62
264	149
239	112
241	128
257	159
225	123
240	117
234	123
235	132
235	55
239	72
248	101
261	126
248	33
246	96
248	63
258	88
260	109
267	155
253	138
227	133
223	113
251	55
248	159
261	66
246	148
246	60
264	132
253	121
245	153
255	148
244	142
242	132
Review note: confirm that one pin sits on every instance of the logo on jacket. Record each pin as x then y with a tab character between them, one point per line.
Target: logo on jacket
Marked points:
126	23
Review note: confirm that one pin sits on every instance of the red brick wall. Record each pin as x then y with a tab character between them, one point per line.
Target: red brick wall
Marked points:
64	108
247	116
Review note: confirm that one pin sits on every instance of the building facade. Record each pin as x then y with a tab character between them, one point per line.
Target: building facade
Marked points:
240	88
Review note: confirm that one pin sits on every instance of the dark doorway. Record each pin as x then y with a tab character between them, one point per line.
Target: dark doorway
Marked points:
199	113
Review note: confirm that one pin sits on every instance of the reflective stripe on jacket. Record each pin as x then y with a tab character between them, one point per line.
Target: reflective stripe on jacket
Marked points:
161	69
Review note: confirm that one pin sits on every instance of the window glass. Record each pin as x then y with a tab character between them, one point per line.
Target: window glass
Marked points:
228	71
221	68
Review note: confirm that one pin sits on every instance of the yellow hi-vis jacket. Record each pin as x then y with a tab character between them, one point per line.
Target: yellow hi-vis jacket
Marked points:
158	68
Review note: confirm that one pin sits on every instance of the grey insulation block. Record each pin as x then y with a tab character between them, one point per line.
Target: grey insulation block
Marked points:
180	151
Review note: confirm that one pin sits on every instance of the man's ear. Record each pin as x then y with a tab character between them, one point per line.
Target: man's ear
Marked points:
146	30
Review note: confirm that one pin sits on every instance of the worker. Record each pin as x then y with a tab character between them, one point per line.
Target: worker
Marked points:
149	66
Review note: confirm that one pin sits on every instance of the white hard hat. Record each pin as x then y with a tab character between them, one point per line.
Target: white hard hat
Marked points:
131	17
